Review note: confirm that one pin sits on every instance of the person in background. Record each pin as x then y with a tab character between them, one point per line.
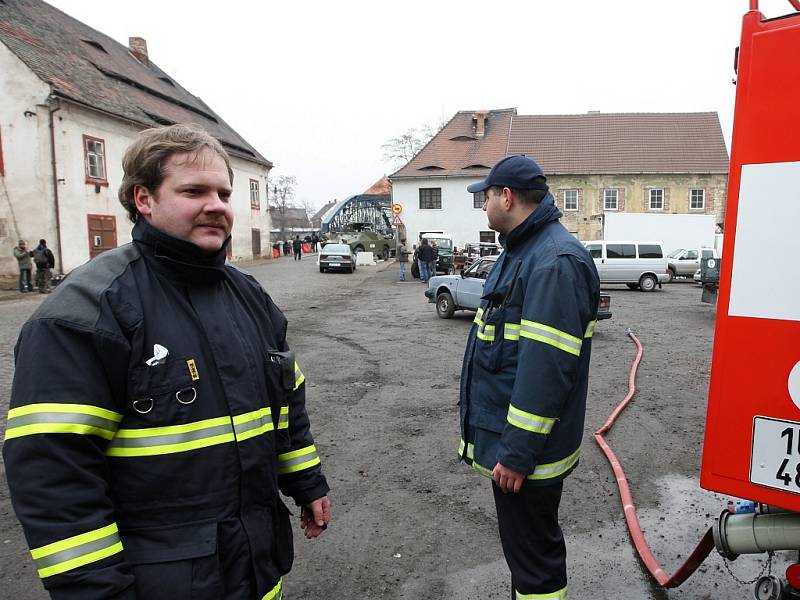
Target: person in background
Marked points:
402	258
424	257
297	246
45	261
23	256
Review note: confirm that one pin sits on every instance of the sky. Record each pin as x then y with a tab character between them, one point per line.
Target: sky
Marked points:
318	87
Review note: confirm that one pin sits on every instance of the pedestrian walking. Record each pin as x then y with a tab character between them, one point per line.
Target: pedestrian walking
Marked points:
45	261
424	257
402	258
526	371
287	248
23	256
145	458
297	246
434	260
314	241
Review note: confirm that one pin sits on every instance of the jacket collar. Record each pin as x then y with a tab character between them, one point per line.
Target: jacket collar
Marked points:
176	258
546	212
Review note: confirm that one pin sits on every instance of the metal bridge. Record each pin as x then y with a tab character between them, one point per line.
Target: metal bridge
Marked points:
368	211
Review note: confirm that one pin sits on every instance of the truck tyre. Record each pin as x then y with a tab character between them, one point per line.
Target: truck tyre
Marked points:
444	305
415	270
648	283
385	253
358	248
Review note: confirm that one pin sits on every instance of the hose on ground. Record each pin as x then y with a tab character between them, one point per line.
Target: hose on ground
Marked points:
705	545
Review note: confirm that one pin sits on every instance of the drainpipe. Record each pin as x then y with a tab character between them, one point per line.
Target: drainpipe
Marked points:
53	106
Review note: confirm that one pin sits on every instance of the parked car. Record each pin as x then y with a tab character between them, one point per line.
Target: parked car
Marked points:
639	265
464	291
336	257
444	252
683	262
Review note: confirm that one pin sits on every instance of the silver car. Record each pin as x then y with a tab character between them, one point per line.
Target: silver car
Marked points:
460	292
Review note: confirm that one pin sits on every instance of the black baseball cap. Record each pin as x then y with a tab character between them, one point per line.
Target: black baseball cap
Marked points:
516	172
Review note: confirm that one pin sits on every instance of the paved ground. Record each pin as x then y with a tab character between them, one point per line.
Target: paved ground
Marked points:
410	522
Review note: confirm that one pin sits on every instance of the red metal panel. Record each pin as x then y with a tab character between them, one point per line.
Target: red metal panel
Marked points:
754	356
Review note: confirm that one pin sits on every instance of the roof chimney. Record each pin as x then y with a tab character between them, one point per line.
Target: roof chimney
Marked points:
138	47
479	123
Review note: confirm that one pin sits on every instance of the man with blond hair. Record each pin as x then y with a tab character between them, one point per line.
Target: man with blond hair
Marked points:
147	463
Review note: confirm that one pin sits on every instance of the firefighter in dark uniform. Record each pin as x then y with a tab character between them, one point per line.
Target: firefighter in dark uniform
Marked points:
156	409
526	370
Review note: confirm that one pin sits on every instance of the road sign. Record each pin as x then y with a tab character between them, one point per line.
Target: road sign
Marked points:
397	209
397	220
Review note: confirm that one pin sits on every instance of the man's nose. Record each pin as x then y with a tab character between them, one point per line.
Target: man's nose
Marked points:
214	203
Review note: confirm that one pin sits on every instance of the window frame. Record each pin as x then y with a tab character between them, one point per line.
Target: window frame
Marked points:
566	209
431	198
702	198
485	233
255	205
605	199
89	178
650	193
475	197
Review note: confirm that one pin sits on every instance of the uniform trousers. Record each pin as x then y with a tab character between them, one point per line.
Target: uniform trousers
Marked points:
532	541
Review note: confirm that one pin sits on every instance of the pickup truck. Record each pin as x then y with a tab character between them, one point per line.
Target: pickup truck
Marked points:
683	262
463	292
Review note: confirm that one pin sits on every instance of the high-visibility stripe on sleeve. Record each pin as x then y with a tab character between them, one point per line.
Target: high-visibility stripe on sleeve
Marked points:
478	317
589	329
470	448
558	595
299	378
50	417
529	421
298	460
556	469
485	333
275	593
77	551
552	336
283	418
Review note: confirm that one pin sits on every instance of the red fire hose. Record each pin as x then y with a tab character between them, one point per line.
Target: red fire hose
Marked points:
706	544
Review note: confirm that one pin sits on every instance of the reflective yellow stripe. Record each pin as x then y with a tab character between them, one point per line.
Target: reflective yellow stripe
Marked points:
298	460
469	447
559	595
299	378
555	469
511	331
589	329
552	336
478	317
529	421
485	333
76	551
275	593
252	424
283	418
50	417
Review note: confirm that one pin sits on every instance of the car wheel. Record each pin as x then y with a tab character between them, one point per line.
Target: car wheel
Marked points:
415	270
648	283
671	273
444	305
385	253
322	269
633	286
352	269
358	248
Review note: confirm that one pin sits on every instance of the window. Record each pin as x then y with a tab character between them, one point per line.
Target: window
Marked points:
697	199
621	251
570	199
707	253
657	199
255	199
94	150
478	199
595	250
650	251
610	199
690	255
430	198
486	236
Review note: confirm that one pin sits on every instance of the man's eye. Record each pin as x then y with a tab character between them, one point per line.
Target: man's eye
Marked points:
225	196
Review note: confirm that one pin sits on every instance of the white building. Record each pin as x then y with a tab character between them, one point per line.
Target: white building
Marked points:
71	101
595	163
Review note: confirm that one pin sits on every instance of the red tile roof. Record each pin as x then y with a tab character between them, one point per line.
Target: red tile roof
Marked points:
593	143
90	68
381	187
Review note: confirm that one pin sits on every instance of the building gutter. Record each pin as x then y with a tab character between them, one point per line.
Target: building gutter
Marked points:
53	106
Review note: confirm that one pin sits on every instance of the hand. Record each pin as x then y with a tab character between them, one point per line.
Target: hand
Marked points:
507	479
315	516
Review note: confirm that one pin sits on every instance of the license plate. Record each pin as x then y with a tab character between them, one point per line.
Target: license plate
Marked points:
775	460
334	264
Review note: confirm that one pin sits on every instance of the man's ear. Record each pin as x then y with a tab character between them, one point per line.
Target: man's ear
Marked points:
143	199
508	198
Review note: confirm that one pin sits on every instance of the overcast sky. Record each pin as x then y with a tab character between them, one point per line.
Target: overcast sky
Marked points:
317	87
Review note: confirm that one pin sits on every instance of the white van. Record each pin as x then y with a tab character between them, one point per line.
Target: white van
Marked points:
640	265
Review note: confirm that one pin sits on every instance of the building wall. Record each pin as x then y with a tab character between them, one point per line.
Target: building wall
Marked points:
458	217
26	192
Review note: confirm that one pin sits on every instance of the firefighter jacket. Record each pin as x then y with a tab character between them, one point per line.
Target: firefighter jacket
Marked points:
526	366
144	455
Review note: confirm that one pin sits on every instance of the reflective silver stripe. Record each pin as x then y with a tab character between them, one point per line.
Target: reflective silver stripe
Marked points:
529	421
53	417
478	317
77	551
253	424
511	331
175	438
299	378
283	418
469	447
557	468
590	329
91	421
298	460
552	336
485	333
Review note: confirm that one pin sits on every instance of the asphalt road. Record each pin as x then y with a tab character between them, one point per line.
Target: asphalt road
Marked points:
409	522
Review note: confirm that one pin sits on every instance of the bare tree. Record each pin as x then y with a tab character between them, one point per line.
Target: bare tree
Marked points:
282	195
401	149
